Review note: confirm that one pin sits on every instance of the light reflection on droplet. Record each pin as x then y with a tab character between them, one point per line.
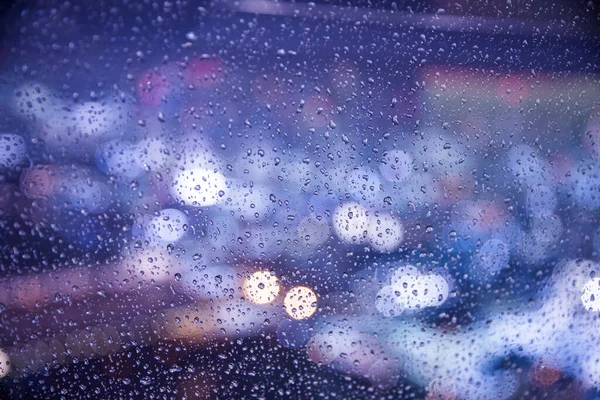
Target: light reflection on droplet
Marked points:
385	232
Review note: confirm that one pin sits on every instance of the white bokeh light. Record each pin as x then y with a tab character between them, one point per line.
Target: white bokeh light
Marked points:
248	200
261	287
364	184
300	302
386	302
385	232
351	222
169	226
591	295
199	187
95	119
259	164
35	101
4	364
396	165
411	290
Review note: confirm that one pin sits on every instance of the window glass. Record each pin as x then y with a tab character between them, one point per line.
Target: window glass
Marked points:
278	199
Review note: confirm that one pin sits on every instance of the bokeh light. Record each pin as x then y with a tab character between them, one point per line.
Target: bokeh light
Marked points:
169	226
590	297
199	187
261	287
410	289
385	232
351	222
4	364
396	165
300	302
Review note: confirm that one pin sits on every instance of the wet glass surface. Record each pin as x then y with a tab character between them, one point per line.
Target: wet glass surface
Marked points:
263	199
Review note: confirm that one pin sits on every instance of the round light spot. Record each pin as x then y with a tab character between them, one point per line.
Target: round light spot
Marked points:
300	302
405	272
428	291
396	165
261	287
118	157
411	290
169	226
4	364
35	102
351	221
199	187
364	184
386	302
385	232
94	119
591	295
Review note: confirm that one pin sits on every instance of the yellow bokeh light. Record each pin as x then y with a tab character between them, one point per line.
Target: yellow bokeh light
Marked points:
300	302
261	287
